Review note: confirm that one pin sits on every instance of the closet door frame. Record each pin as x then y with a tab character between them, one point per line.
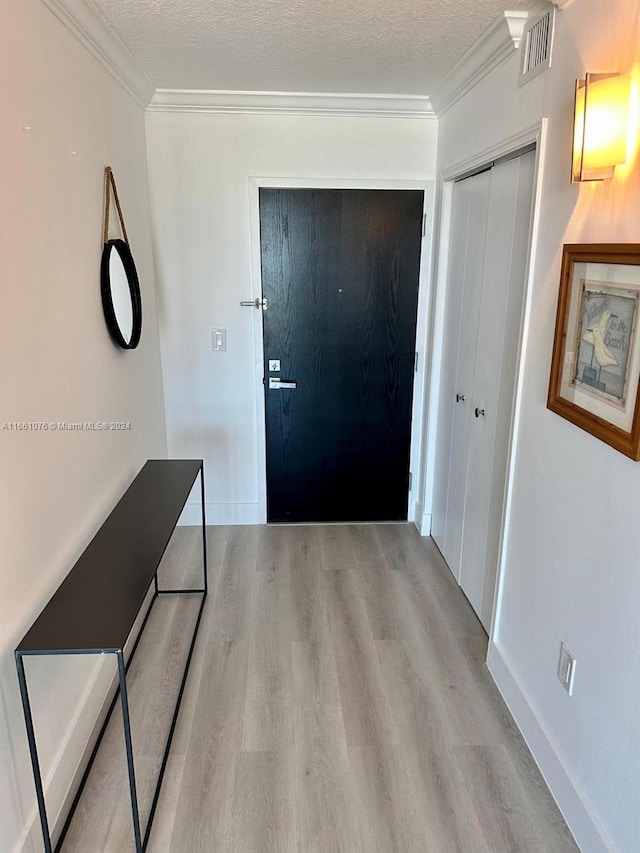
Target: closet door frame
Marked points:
513	146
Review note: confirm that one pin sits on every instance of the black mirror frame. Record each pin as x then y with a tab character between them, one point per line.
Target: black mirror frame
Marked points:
134	289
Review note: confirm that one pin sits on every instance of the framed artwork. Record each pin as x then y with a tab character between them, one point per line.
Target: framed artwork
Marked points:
595	367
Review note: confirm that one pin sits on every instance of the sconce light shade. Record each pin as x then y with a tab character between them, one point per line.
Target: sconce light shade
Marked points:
600	126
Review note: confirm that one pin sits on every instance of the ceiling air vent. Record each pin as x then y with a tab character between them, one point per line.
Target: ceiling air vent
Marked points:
536	46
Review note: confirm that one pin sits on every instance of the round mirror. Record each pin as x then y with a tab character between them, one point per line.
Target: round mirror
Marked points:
120	290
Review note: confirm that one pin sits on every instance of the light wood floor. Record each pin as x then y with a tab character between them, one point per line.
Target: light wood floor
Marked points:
338	700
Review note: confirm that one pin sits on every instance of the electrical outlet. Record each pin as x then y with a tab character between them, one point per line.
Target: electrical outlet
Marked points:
566	669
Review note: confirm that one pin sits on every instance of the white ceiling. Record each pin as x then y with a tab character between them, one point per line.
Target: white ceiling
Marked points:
363	46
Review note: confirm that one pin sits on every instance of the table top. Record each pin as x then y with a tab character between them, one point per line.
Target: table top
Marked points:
96	605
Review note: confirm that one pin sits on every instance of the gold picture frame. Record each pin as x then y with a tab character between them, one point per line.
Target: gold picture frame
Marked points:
595	365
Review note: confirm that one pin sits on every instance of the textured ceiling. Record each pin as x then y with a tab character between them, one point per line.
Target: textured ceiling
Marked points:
364	46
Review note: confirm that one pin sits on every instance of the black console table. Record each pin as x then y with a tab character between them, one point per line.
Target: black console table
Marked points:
96	606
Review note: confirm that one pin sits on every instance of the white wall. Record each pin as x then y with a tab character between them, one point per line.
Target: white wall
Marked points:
572	558
200	169
58	363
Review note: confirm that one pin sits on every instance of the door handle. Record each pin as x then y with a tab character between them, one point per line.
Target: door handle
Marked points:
459	398
479	412
255	303
275	383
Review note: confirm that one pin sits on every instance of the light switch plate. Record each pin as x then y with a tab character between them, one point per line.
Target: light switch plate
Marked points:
566	669
219	340
274	365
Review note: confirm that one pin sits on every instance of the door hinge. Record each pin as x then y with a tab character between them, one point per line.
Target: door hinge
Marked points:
415	362
424	224
410	480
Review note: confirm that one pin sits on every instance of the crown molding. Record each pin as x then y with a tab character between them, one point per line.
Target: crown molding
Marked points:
495	45
88	26
290	103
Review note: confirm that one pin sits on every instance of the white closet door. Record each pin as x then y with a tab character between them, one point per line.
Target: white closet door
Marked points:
499	325
469	214
450	341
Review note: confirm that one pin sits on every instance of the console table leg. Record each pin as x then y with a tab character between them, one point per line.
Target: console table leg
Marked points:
129	748
31	737
204	528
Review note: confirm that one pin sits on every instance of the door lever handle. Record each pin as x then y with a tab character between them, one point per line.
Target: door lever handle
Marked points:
479	412
255	303
275	383
459	398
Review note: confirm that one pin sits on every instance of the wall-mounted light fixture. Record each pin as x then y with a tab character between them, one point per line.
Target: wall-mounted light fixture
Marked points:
600	126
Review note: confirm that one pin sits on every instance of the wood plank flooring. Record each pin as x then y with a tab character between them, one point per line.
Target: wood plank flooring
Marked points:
338	702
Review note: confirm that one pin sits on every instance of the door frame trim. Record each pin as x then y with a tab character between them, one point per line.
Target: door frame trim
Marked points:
427	185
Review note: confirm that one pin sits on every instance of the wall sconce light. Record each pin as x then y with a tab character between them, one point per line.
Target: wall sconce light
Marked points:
600	126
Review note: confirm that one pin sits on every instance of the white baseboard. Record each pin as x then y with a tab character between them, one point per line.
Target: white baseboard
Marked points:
254	513
239	513
417	514
421	519
587	831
